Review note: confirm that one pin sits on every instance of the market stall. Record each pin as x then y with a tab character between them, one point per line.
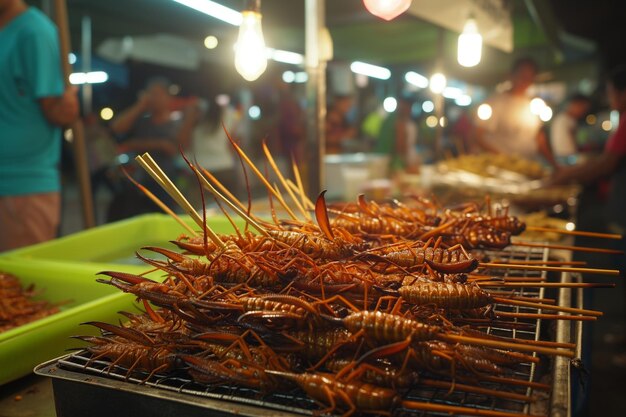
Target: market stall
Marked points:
352	273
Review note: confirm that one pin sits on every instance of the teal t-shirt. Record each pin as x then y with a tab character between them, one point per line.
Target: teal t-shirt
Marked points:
30	69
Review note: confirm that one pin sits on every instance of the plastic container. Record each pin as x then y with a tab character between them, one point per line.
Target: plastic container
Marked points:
65	270
83	299
115	244
345	173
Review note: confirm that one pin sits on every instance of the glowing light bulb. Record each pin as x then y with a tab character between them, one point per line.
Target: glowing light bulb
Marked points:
484	111
545	114
250	55
536	105
470	45
437	83
428	106
254	112
390	104
210	42
387	9
106	113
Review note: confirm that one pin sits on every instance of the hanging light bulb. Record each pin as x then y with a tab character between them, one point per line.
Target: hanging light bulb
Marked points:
250	54
470	44
437	83
387	9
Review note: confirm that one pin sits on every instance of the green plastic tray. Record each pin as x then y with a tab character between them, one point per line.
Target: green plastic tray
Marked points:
115	244
64	269
25	346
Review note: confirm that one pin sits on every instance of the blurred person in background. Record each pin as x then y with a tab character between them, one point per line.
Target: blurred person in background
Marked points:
611	164
398	138
338	129
564	128
512	128
148	126
210	146
375	115
290	122
34	103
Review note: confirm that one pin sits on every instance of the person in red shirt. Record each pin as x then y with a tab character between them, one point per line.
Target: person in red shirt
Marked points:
611	164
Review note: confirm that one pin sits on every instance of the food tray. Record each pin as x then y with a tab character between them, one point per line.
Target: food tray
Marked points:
107	390
82	298
115	244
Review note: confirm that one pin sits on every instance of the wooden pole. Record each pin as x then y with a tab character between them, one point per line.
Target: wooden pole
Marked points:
78	131
314	18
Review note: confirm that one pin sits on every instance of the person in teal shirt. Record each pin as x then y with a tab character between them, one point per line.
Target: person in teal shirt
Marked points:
398	138
34	103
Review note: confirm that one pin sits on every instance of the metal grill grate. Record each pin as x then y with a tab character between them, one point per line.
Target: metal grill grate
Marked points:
295	401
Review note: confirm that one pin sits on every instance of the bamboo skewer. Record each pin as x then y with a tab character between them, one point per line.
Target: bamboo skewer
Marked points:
223	189
270	159
568	247
476	390
455	409
521	303
545	343
506	294
533	262
159	176
534	316
296	173
575	232
517	382
479	277
498	344
161	204
547	284
551	268
230	204
264	180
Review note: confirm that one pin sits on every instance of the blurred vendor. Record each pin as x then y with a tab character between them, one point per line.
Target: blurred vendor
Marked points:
338	129
564	127
612	162
512	128
398	138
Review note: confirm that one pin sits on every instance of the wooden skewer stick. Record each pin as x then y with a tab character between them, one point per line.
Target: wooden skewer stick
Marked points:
568	247
533	316
229	203
295	189
506	294
498	344
223	189
573	310
545	343
270	159
551	268
547	284
437	230
475	390
479	277
532	262
296	173
264	180
456	409
517	382
575	232
161	204
159	176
